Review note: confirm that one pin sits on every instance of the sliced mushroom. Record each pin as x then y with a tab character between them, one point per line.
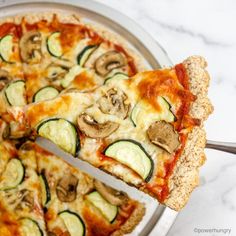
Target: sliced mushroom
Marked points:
163	135
93	129
113	196
5	77
109	61
114	103
66	188
30	47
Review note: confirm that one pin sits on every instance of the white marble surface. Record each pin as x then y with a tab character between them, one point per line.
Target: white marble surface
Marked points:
186	27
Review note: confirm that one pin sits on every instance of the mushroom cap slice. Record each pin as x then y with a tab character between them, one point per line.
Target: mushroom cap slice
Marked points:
113	196
109	61
30	47
5	77
93	129
114	102
163	135
66	188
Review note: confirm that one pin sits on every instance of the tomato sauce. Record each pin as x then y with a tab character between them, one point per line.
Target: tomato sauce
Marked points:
173	83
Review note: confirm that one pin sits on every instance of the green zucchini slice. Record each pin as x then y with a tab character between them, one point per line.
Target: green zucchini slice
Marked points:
85	54
30	227
45	190
62	132
132	154
69	77
13	175
6	46
45	93
108	210
116	77
143	113
54	44
73	222
15	93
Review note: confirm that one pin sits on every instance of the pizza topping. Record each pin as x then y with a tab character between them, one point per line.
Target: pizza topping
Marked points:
108	210
85	54
113	196
143	114
6	46
45	93
54	44
13	175
30	47
5	77
67	188
114	102
109	61
15	93
116	77
62	132
73	222
163	135
133	155
93	129
30	227
46	195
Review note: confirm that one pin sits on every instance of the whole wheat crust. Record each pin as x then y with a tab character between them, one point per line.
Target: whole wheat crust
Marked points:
185	176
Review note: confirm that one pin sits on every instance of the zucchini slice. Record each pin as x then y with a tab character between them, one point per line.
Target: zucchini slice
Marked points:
73	222
62	132
143	113
45	93
45	190
116	77
69	77
15	93
6	46
30	227
13	175
108	210
132	154
54	44
85	54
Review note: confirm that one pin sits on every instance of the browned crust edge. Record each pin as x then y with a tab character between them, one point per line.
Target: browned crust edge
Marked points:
185	177
132	222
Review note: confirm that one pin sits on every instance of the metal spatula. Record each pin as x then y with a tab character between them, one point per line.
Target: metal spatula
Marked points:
222	146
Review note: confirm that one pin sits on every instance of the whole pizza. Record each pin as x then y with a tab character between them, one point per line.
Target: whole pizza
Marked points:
83	88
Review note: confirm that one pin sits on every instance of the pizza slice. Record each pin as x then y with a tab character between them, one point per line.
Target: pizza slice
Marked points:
146	130
76	204
21	212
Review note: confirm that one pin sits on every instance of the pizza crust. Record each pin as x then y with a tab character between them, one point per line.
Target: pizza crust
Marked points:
132	222
185	176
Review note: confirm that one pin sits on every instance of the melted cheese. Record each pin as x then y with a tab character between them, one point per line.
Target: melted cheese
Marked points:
67	106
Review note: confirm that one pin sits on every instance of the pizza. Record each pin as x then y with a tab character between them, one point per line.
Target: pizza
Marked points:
83	88
20	205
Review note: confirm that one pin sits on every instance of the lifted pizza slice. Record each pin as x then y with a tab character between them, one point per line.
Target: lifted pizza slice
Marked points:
146	130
